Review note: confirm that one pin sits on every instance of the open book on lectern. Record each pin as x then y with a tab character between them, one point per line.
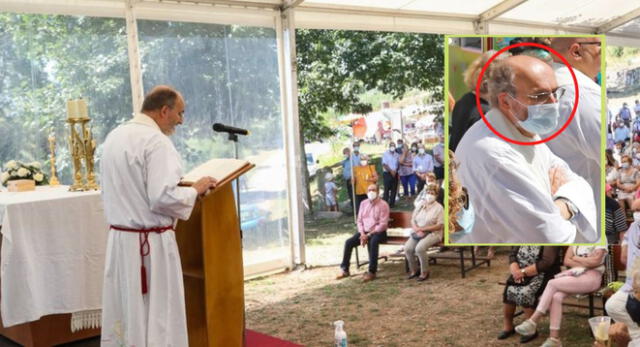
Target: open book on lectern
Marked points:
223	170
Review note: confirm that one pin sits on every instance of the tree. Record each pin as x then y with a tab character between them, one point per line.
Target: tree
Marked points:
335	66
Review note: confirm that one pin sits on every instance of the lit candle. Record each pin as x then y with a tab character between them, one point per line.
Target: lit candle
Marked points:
72	109
83	110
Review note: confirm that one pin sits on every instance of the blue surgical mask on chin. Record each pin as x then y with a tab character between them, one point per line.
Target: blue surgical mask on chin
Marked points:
542	119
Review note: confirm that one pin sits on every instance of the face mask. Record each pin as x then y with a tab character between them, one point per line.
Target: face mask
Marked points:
542	119
356	149
363	162
625	165
392	148
414	150
636	216
431	198
421	151
372	195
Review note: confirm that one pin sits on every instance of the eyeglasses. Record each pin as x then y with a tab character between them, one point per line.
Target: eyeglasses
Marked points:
597	43
544	96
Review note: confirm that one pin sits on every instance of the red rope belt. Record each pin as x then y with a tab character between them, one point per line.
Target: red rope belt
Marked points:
145	248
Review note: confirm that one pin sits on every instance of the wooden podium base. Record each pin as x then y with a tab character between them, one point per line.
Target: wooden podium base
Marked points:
46	332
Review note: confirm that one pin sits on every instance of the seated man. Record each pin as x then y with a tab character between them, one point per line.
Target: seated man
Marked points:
623	305
373	220
523	194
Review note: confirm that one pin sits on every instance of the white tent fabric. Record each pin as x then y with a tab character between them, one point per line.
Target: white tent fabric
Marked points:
618	19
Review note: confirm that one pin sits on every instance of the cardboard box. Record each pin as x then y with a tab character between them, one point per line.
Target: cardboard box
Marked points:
21	185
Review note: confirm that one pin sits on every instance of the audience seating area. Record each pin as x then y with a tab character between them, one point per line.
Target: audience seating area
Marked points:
402	220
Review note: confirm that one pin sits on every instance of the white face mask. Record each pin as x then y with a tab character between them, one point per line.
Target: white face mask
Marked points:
392	148
372	195
430	198
363	162
421	150
541	119
636	216
625	165
356	149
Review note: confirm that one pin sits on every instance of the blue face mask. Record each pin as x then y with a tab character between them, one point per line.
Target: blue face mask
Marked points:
542	119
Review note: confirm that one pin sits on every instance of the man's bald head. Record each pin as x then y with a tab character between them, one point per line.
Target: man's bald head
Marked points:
508	73
161	95
512	83
582	53
165	106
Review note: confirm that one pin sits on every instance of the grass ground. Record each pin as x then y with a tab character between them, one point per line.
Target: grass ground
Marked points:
446	310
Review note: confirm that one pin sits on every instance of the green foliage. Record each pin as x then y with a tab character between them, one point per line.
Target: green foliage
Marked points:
335	67
47	59
618	56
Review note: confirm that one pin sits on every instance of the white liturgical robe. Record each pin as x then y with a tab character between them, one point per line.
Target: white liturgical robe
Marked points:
140	171
510	189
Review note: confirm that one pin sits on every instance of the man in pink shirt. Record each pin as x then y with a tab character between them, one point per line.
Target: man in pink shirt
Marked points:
373	219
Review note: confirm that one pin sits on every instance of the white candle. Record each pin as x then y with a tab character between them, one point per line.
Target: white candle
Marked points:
83	110
72	109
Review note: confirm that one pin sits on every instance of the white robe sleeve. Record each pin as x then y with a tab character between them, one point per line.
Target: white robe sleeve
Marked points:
579	192
514	208
586	130
164	171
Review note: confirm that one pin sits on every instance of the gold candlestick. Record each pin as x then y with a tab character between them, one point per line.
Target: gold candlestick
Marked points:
52	148
77	153
89	150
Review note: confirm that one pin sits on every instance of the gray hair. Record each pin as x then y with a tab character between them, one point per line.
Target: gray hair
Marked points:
501	80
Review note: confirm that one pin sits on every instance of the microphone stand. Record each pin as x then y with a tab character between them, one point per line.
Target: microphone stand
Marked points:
234	138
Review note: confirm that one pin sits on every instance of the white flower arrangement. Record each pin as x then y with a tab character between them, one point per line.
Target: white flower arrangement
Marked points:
15	170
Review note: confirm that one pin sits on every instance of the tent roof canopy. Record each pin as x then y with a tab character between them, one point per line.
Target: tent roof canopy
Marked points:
618	19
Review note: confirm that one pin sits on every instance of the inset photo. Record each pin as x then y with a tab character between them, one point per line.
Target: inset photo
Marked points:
526	139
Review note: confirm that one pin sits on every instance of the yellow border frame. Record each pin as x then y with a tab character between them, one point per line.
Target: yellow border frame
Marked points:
603	120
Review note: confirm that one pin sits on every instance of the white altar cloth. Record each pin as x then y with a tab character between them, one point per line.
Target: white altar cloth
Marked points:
52	255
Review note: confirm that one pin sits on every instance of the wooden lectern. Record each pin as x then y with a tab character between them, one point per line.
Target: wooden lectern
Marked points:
211	254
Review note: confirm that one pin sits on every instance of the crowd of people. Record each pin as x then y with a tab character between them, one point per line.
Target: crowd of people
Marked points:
623	157
552	189
420	174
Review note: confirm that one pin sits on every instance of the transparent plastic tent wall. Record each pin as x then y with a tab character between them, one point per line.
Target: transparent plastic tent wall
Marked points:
227	73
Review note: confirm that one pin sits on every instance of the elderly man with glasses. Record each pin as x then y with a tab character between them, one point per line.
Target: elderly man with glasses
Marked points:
523	193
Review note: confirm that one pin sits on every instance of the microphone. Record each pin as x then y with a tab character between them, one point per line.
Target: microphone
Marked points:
221	128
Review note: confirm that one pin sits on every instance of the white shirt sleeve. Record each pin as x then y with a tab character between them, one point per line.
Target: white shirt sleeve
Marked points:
164	171
586	131
516	209
580	193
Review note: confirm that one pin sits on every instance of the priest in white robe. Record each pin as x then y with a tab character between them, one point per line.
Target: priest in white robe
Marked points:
523	194
143	294
579	144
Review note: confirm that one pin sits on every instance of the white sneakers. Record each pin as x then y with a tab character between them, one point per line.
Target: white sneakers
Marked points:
552	342
526	328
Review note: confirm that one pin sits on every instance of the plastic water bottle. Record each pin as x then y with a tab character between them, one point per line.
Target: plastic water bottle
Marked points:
340	334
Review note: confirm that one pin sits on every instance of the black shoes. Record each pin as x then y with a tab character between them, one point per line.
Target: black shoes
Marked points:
506	334
527	338
414	275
